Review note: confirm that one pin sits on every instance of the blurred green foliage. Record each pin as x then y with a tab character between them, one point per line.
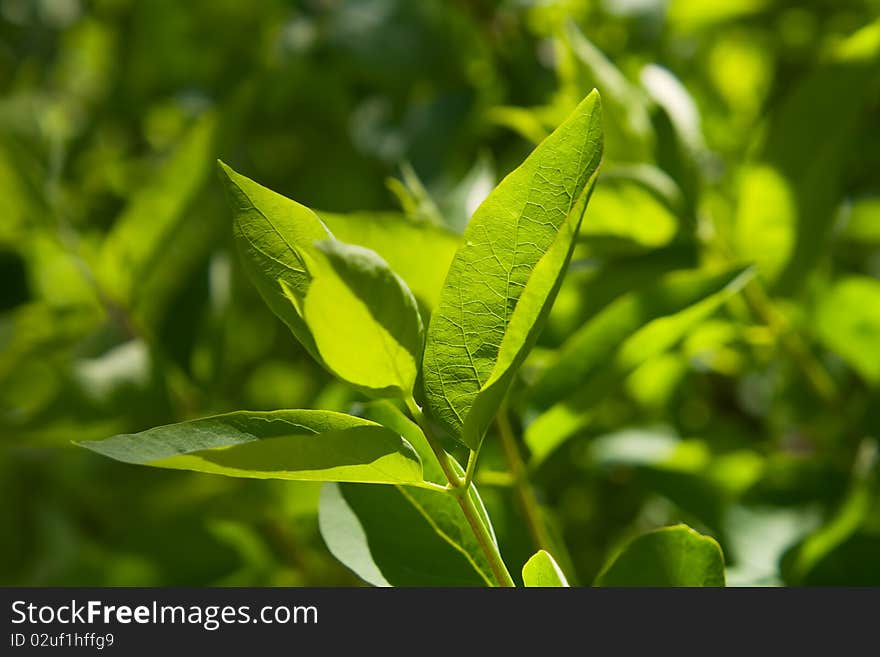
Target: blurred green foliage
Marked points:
737	132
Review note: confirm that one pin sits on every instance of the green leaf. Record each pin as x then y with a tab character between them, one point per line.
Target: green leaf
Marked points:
271	231
390	416
396	536
301	445
503	280
847	321
627	216
160	236
542	570
418	252
863	221
766	208
672	556
342	302
363	319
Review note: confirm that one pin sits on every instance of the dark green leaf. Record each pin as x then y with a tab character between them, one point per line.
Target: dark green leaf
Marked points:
395	536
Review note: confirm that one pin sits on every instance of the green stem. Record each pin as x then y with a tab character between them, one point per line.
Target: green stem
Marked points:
471	466
462	489
525	494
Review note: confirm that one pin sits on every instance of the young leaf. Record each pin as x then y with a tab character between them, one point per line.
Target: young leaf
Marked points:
672	556
301	445
503	280
271	231
363	318
542	570
396	536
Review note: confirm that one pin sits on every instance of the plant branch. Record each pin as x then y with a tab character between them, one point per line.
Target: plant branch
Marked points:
471	465
461	489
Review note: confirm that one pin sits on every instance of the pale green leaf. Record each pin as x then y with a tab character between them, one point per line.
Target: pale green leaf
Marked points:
766	208
847	321
504	278
541	570
301	445
363	318
674	556
418	252
625	215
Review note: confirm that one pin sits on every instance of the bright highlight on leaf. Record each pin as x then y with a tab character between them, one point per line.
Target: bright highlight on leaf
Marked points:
363	318
343	302
672	556
541	570
504	278
297	445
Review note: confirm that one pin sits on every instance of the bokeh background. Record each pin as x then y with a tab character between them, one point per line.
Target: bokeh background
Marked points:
736	130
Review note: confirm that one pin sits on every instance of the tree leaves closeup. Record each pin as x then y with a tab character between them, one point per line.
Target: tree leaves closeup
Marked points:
295	445
503	280
363	318
541	570
418	252
270	232
342	302
672	556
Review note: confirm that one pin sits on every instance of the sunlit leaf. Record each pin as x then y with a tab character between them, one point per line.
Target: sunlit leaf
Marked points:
672	556
847	321
543	571
271	231
363	318
504	278
418	252
297	445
